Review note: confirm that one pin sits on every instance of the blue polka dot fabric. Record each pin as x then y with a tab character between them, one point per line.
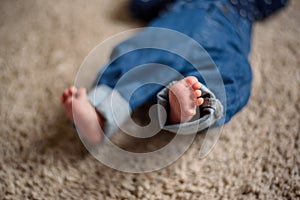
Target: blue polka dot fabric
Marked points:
257	9
251	9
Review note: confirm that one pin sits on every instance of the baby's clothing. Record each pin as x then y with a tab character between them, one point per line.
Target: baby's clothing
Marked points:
137	71
257	9
252	9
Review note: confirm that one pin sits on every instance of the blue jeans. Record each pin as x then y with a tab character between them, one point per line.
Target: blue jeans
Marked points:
217	27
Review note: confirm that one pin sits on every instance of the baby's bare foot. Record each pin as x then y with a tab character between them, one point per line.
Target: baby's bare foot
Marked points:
184	97
82	113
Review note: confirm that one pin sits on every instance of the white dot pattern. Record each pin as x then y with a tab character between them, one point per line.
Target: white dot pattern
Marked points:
257	9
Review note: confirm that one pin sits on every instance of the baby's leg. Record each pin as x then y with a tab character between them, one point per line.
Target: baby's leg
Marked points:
184	97
82	113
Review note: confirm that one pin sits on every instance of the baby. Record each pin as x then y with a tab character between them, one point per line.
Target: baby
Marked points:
222	27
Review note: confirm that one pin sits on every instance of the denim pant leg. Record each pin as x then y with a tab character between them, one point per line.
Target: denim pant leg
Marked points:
134	58
227	39
156	46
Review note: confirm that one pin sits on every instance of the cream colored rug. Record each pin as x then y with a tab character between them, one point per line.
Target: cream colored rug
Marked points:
42	44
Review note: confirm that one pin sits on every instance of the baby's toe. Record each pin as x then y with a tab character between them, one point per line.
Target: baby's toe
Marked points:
191	80
196	86
68	102
199	101
64	95
72	90
81	93
197	93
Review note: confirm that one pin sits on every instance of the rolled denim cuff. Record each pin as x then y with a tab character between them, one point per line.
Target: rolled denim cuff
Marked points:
112	107
207	114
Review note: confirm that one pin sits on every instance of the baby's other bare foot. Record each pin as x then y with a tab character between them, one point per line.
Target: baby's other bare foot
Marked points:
82	113
184	97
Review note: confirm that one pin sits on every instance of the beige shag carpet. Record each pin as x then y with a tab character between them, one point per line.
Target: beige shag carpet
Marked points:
42	44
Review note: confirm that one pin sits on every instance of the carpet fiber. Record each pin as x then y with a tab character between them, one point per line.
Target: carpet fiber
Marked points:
42	46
